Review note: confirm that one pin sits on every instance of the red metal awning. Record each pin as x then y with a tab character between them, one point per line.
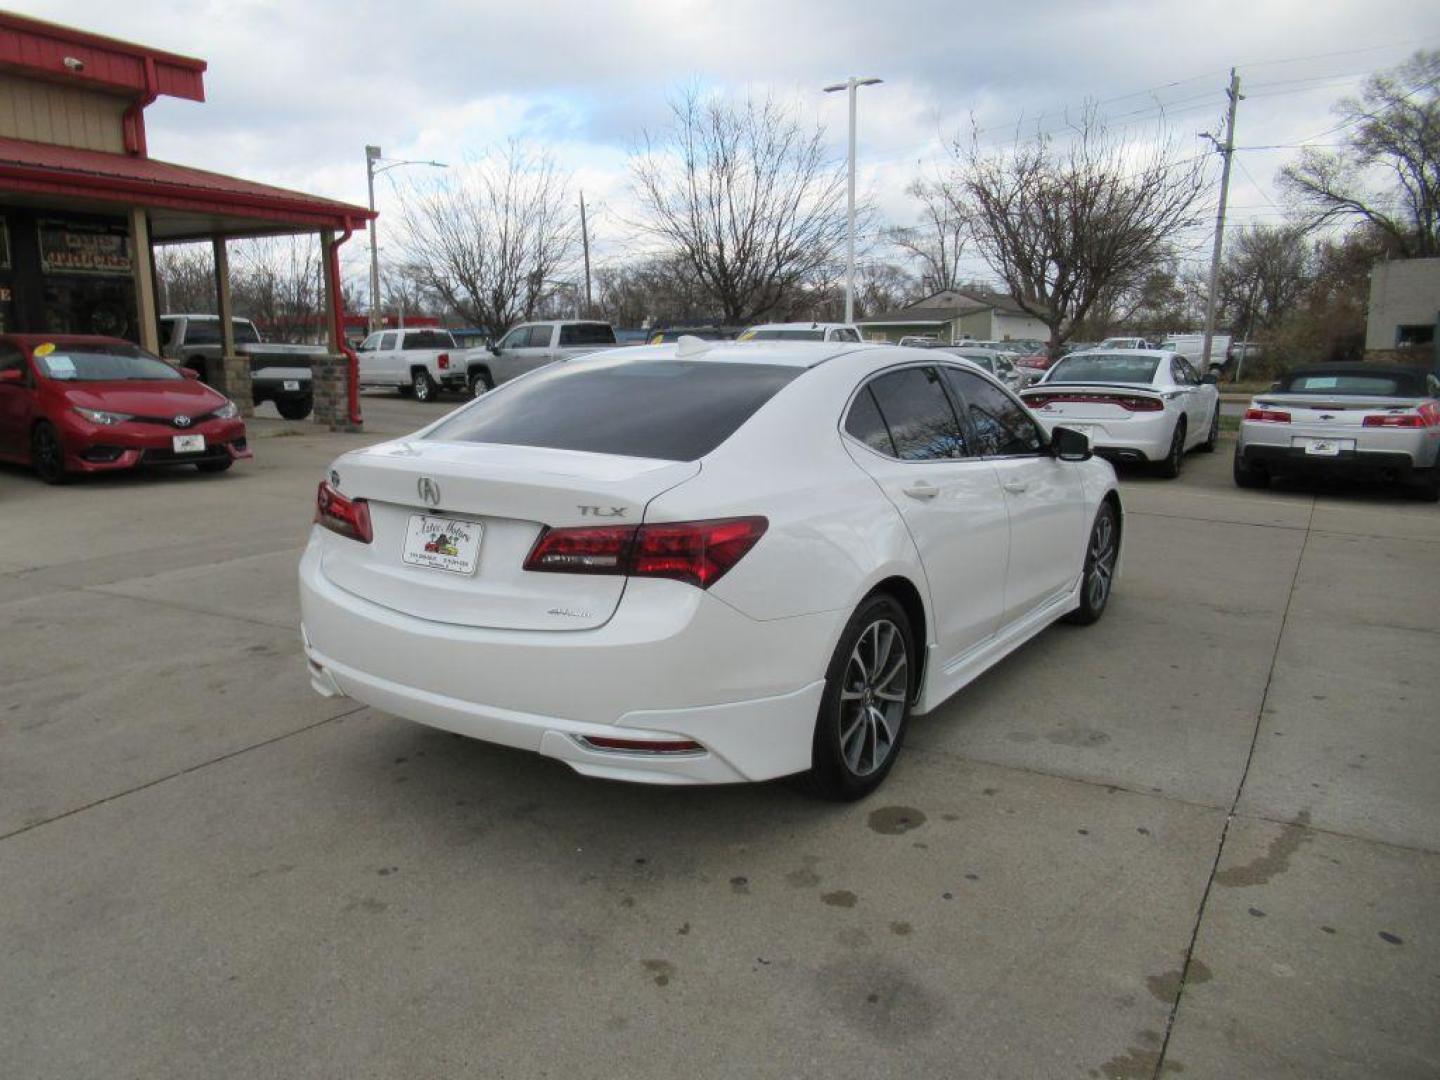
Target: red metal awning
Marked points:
204	202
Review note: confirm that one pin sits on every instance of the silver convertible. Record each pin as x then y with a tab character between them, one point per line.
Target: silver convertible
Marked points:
1369	421
1141	406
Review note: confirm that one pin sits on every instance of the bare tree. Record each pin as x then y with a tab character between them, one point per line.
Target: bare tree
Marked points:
489	237
884	286
937	242
1264	275
278	282
1394	133
186	276
745	197
1066	227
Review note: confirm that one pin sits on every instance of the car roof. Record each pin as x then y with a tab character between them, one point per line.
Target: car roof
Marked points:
801	354
1411	379
1128	354
800	326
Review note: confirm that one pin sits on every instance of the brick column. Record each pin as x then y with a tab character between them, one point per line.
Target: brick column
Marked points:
331	375
231	376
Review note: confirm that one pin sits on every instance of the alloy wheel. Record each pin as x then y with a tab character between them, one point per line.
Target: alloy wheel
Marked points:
1101	559
873	697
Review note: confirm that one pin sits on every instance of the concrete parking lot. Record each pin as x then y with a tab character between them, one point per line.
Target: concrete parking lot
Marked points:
1201	838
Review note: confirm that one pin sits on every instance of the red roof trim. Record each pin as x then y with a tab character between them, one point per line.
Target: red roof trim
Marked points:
41	47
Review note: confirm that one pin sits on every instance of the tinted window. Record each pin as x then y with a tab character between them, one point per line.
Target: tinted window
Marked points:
428	339
1105	368
587	334
245	332
844	335
866	424
783	335
675	410
922	424
202	332
387	341
1001	425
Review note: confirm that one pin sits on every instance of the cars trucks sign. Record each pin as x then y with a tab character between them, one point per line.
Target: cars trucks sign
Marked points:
74	248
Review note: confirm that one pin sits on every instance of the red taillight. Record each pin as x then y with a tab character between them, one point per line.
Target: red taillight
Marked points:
643	746
1268	416
696	552
1125	401
348	517
443	360
1404	420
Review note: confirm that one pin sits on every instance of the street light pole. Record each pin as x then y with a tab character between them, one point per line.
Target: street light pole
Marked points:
851	85
372	155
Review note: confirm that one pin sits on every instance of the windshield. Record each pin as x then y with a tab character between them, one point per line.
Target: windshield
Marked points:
91	362
674	410
783	335
1105	368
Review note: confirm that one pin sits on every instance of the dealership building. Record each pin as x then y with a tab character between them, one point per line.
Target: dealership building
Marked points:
82	203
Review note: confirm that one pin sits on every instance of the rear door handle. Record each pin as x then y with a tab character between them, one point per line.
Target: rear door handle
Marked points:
1016	487
921	490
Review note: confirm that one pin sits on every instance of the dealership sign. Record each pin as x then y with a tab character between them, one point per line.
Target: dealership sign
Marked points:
72	248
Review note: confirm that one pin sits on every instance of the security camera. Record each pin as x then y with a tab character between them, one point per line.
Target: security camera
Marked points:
74	63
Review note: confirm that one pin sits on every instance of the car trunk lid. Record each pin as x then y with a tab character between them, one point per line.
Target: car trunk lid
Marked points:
512	493
1333	411
1097	401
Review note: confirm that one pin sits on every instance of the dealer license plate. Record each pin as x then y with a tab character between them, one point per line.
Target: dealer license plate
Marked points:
1322	447
188	444
443	543
291	384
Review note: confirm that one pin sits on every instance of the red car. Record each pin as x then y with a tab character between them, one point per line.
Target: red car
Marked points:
1035	362
71	403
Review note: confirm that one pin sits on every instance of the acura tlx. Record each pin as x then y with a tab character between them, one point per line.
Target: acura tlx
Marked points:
703	562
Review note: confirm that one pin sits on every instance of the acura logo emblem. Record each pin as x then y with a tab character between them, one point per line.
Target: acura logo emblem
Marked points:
182	421
429	490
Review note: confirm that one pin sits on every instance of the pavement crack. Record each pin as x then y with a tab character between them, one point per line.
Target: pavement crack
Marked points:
1185	968
180	772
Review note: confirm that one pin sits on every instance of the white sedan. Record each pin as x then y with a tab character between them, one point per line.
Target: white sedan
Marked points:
705	562
1141	406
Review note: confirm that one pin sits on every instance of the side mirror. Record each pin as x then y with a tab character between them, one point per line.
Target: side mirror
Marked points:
12	374
494	349
190	373
1067	444
1210	379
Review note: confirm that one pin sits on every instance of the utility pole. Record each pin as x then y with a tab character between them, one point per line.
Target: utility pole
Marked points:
1227	149
585	242
851	85
372	155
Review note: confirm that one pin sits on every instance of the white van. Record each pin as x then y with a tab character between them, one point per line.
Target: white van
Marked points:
1191	346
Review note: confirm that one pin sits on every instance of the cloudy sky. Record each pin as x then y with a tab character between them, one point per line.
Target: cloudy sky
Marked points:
296	89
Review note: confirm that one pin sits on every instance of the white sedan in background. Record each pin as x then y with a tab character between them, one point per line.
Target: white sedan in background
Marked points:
705	562
1141	406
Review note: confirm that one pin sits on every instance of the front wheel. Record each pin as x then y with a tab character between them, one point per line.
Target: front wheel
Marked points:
868	687
214	466
1175	459
47	454
1101	556
421	385
294	408
480	383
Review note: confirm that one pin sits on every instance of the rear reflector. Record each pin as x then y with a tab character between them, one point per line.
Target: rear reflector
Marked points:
348	517
696	552
1268	416
642	746
1128	402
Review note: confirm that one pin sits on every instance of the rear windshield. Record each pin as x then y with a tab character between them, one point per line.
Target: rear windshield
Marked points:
1105	368
674	410
587	334
1377	385
783	335
120	362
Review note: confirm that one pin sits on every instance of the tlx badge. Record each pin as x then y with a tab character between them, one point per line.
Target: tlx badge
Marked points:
602	511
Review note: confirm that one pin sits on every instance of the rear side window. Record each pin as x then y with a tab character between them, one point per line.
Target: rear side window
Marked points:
673	410
587	334
922	424
1002	427
866	424
202	332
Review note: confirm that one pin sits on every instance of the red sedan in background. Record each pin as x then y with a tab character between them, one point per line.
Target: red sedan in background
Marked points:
71	403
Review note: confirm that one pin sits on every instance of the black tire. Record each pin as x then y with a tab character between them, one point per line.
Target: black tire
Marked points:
851	721
1247	475
294	408
422	386
1208	446
480	382
1102	553
1175	459
214	466
1425	484
47	454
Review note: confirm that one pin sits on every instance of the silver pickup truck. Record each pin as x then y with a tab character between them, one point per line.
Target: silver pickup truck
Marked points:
278	373
532	345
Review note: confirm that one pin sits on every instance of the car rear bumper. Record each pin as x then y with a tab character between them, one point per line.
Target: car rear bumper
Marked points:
1376	451
1347	462
1134	440
673	663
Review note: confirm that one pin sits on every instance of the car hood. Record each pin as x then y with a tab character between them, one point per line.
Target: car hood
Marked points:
160	398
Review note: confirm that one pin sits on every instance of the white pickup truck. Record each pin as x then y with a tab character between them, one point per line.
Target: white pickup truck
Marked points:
532	345
414	360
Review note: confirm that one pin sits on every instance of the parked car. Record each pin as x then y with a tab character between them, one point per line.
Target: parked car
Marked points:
1192	347
993	361
73	403
704	333
416	361
1014	347
919	341
1369	421
736	566
1076	346
532	345
801	331
278	373
1124	343
1034	364
1136	405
